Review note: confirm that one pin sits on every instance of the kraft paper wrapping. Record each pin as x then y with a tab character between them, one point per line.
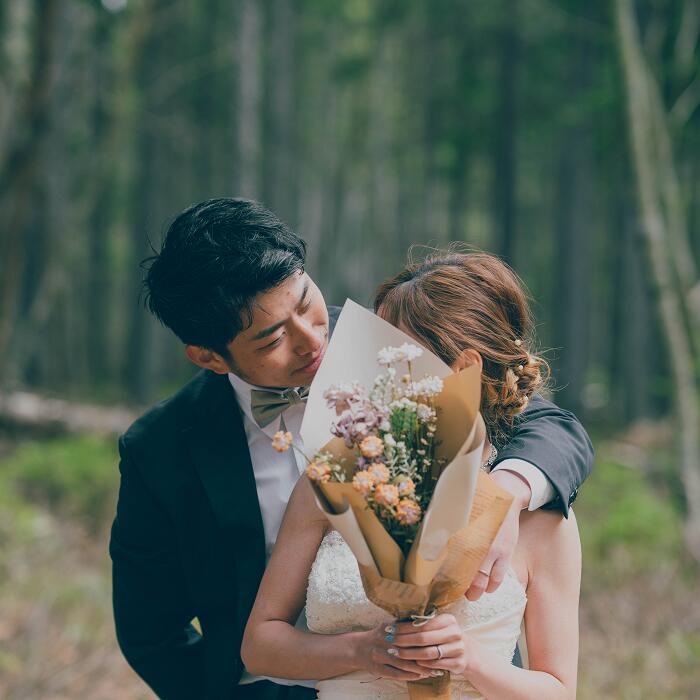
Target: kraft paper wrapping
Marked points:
466	509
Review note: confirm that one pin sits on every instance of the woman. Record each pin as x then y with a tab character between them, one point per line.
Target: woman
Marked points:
466	308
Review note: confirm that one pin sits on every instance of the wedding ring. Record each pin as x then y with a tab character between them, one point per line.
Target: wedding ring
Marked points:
485	573
439	651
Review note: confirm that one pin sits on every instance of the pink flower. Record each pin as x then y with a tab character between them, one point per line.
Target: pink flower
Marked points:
318	471
406	486
282	441
386	495
371	447
363	482
408	512
379	472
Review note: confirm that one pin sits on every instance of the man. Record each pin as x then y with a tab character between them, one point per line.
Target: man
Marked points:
202	491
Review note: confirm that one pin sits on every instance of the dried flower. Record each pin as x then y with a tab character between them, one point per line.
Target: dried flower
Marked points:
429	386
318	471
282	441
363	482
406	486
343	393
386	495
371	446
425	413
405	353
408	512
379	472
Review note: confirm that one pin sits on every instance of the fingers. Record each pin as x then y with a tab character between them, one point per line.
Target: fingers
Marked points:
438	622
431	653
429	638
498	572
480	582
391	666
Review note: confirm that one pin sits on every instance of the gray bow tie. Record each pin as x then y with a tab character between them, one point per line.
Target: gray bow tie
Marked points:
267	405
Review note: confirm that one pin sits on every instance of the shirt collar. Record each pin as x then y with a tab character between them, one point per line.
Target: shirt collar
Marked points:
243	389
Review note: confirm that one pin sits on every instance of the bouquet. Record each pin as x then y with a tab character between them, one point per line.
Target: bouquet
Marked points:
400	477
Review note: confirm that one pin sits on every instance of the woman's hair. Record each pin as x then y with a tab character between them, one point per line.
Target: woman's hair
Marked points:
453	301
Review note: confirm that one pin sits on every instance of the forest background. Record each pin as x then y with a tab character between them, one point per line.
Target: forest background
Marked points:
562	135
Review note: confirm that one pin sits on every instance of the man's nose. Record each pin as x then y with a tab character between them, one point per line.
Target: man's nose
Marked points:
308	339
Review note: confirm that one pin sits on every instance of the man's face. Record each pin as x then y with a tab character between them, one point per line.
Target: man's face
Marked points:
286	342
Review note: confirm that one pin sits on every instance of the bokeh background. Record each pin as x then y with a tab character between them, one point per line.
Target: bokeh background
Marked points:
563	135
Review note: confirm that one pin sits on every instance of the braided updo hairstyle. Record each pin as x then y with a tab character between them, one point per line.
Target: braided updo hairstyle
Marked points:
453	301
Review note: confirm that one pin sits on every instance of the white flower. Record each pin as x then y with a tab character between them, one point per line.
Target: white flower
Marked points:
405	353
411	352
385	426
424	413
403	404
389	439
430	386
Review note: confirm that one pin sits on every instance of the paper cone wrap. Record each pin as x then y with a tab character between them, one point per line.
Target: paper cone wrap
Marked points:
463	518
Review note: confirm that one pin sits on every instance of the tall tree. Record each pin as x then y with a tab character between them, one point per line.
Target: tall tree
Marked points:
663	225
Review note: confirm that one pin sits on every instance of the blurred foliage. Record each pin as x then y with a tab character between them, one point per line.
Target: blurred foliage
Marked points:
640	631
73	476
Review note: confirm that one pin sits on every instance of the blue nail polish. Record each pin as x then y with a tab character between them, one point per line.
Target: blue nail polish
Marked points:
389	638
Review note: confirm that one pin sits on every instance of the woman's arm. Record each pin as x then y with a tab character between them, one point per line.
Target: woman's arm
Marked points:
272	646
551	622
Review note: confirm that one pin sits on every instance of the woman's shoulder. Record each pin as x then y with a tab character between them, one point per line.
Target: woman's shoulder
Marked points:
303	505
549	543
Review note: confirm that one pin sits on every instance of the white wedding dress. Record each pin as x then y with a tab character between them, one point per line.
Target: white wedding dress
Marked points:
336	602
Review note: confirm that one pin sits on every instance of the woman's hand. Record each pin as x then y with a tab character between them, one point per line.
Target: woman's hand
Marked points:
439	645
372	650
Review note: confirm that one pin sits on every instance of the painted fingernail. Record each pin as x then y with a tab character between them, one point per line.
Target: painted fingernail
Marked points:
390	629
435	674
392	651
389	638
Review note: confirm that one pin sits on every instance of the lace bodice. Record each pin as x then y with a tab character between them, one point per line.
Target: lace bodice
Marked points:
336	602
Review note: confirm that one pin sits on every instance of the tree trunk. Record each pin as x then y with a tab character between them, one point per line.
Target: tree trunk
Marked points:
644	123
280	178
505	136
20	171
249	96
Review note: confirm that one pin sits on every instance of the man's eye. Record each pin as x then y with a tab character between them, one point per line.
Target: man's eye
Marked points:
273	344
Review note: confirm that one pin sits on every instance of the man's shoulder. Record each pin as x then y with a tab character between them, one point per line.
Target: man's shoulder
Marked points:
165	421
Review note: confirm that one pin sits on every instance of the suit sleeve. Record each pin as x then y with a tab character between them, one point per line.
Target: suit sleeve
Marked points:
555	442
152	610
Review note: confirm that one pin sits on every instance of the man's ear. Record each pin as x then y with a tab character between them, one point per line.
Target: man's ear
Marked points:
467	358
206	359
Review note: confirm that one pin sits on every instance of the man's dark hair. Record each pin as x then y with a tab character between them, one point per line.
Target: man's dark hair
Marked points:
216	256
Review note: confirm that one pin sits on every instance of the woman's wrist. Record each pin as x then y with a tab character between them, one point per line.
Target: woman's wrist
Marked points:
359	642
473	652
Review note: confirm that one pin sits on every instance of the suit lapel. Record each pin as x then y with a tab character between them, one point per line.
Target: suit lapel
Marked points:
220	451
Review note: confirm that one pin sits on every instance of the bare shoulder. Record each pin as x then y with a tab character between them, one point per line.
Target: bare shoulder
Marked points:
549	542
302	508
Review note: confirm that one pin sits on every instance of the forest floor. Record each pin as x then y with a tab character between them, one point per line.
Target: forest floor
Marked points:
640	620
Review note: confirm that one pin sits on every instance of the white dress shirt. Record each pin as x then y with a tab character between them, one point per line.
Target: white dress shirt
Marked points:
276	474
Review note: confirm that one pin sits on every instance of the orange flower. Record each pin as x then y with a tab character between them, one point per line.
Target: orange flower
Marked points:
406	486
363	482
386	495
282	441
371	447
379	472
408	512
318	471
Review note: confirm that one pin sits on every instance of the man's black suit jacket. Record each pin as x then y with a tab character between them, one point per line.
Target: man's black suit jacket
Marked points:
188	540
